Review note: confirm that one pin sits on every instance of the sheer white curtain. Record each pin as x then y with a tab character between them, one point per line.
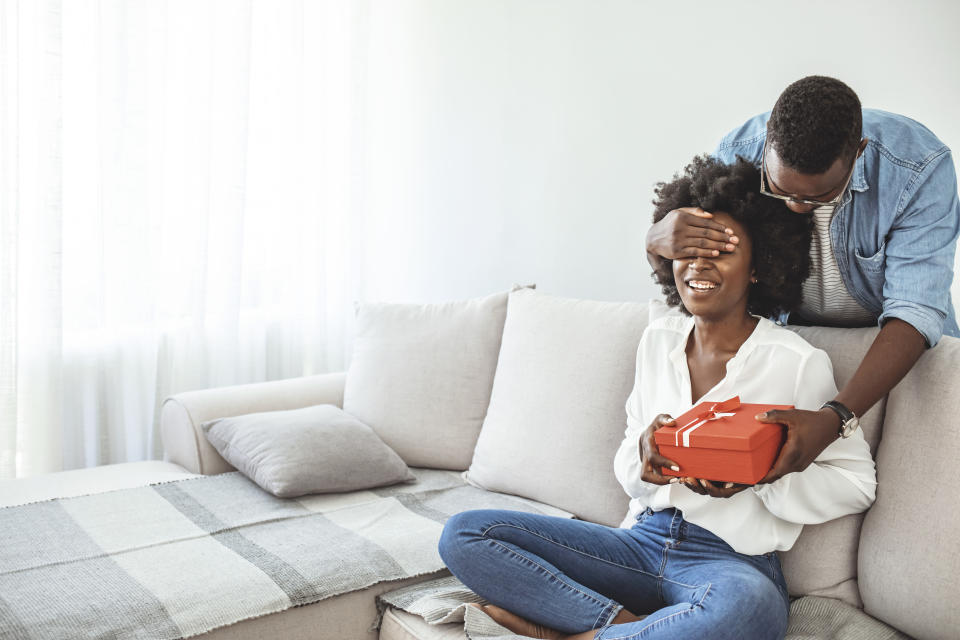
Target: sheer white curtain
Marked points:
179	208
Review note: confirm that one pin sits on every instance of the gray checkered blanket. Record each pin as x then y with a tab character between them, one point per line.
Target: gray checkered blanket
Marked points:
177	559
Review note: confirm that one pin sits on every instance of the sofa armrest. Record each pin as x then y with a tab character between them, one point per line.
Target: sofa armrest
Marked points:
182	414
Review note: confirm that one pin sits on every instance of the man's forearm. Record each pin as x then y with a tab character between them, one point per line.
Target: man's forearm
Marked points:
893	353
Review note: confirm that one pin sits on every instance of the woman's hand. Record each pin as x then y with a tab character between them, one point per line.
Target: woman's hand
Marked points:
653	462
650	453
713	489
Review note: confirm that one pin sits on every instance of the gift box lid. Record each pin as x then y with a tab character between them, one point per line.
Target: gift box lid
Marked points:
721	425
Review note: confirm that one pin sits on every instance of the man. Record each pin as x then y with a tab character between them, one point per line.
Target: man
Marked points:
882	192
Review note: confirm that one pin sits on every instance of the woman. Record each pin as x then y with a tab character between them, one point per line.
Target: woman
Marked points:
697	559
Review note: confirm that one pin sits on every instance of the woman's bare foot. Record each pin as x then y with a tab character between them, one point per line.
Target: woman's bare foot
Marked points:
520	626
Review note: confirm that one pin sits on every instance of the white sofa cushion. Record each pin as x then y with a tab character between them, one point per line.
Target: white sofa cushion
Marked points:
347	615
810	617
556	414
420	375
400	625
823	561
909	557
320	449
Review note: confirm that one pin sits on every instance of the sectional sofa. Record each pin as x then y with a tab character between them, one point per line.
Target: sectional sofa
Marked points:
523	394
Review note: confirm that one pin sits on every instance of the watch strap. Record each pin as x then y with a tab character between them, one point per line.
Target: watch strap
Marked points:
846	416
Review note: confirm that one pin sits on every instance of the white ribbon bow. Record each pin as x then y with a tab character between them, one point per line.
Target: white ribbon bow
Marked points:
693	426
715	412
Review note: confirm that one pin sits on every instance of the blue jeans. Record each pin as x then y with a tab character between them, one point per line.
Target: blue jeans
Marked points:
574	576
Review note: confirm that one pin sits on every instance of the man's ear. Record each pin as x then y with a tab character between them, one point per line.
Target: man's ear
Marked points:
863	145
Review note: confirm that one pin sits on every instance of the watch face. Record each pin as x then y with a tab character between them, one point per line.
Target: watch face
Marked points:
849	427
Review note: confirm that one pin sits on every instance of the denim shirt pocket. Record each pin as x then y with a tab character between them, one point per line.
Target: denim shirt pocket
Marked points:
872	264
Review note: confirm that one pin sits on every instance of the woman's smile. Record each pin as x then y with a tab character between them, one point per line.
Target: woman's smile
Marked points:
702	286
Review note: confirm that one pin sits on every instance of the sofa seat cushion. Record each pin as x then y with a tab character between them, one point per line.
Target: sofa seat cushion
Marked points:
815	617
80	482
437	610
400	625
810	618
348	615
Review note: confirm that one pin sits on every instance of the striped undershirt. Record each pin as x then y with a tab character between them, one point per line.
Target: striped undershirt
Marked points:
826	300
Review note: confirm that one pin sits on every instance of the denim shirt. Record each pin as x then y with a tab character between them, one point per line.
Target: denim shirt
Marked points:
894	232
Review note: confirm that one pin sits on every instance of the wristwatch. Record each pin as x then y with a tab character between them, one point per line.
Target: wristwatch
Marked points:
848	419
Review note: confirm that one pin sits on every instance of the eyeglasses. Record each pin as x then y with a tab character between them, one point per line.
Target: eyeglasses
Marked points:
818	203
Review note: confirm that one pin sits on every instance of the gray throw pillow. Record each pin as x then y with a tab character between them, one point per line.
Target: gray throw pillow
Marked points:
319	449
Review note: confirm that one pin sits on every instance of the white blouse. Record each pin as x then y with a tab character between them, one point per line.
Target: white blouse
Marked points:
773	366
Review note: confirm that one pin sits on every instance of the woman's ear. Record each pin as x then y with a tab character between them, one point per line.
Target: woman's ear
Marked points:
753	276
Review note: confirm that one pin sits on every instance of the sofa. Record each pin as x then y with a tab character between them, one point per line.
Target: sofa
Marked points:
535	410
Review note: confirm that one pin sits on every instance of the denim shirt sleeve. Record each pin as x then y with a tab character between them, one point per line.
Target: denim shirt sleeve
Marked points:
920	250
732	146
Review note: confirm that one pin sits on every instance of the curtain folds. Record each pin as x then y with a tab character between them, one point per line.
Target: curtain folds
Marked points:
180	208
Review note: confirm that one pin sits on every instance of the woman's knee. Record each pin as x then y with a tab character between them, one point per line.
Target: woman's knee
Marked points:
758	607
459	530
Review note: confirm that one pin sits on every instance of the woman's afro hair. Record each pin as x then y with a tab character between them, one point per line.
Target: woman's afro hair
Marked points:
780	237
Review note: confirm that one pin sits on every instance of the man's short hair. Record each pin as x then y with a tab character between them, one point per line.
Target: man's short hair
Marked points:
815	121
780	238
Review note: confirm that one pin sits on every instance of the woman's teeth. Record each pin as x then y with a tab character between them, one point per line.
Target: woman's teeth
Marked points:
702	285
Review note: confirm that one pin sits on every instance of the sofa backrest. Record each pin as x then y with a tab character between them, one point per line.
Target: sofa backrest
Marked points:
420	375
909	557
556	414
823	561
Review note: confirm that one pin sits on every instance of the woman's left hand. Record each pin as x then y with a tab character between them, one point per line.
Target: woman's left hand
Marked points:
714	490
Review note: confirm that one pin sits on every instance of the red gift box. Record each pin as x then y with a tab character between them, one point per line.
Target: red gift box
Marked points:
722	442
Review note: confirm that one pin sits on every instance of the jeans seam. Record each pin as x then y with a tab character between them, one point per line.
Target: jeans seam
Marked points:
663	568
555	576
612	614
560	544
774	575
655	622
680	584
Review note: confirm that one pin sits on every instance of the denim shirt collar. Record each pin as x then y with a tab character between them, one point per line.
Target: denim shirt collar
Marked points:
859	180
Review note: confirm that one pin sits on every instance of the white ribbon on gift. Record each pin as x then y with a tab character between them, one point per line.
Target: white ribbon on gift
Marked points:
690	429
715	412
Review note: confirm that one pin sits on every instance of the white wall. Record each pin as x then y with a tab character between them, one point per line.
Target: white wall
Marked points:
519	141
